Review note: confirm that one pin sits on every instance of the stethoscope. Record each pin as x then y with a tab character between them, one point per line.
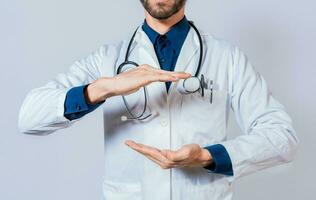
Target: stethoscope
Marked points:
186	86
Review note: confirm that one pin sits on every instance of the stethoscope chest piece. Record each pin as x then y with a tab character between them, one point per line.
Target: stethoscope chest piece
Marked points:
191	85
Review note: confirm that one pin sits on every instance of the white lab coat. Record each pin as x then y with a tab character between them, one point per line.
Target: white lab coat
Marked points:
267	138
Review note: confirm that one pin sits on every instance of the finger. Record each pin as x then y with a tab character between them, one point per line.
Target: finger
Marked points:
167	164
130	143
175	73
162	77
175	156
172	77
178	75
147	151
163	165
138	146
166	78
161	161
172	157
159	70
181	75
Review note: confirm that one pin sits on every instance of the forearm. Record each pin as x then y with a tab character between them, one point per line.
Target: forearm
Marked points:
99	90
76	105
42	111
45	110
261	149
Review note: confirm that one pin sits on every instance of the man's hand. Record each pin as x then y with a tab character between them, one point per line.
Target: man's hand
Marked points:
129	82
190	155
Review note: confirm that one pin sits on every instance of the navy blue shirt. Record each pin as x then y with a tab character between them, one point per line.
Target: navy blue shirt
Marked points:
167	48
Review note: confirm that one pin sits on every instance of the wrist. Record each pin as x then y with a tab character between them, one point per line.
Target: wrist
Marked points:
98	91
206	157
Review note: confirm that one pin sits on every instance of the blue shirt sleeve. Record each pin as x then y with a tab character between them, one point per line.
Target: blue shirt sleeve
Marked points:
76	105
222	163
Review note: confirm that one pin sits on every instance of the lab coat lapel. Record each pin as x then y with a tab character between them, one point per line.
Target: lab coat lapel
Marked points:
189	50
145	50
144	53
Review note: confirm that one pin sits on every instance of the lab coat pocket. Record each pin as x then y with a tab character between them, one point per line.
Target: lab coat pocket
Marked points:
204	117
114	190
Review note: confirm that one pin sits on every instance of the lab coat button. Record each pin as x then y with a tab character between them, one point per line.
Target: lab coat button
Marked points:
78	107
164	123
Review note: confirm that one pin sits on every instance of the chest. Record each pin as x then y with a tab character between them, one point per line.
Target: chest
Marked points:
182	119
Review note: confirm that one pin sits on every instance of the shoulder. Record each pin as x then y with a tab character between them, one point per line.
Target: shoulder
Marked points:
222	46
110	49
218	44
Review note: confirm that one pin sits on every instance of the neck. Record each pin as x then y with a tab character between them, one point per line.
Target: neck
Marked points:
163	26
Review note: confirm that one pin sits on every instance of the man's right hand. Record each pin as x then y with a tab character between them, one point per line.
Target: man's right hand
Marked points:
129	82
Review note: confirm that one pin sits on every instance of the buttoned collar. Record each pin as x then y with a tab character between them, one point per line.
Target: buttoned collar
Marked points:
176	35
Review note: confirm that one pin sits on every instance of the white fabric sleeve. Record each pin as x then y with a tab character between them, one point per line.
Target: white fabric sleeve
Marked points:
268	138
42	111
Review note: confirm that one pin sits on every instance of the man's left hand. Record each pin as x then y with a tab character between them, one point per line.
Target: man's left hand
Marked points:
190	155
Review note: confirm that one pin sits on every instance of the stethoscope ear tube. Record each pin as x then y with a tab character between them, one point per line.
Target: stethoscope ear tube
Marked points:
189	85
201	48
194	84
119	69
132	116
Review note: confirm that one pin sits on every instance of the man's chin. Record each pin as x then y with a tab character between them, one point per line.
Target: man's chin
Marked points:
162	9
161	16
161	12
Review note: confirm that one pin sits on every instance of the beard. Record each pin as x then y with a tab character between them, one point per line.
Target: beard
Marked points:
163	11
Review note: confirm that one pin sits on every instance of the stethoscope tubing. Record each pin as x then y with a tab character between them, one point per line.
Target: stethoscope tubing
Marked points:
127	62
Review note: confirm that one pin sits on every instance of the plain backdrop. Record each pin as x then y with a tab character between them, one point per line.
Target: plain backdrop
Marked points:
41	38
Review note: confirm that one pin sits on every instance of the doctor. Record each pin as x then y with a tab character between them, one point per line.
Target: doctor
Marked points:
179	150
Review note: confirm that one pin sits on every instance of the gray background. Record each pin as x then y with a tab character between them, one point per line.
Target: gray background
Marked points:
40	38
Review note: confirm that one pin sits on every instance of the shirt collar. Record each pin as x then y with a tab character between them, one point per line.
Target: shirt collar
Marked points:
176	35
